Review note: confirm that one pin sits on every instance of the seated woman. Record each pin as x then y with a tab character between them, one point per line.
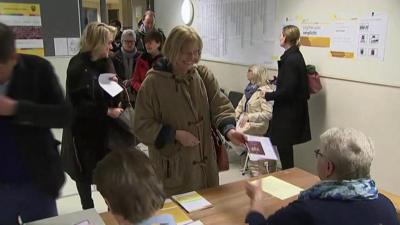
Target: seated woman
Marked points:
254	112
153	42
346	193
128	183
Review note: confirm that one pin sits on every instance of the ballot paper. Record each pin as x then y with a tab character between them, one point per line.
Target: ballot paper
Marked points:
260	148
176	211
279	188
192	201
110	86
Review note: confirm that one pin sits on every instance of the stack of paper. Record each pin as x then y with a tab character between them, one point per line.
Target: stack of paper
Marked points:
279	188
172	208
192	201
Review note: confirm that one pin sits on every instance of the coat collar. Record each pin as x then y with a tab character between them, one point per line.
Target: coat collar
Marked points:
289	51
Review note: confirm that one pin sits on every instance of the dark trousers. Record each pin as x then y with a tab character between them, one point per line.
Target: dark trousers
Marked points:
85	194
26	202
286	156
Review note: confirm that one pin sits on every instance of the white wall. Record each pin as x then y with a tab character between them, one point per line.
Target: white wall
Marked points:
371	108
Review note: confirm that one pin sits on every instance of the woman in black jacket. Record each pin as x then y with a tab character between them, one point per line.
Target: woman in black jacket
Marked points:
290	124
85	142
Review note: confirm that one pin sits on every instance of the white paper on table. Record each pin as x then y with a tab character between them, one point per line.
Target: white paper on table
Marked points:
79	217
260	148
197	222
110	86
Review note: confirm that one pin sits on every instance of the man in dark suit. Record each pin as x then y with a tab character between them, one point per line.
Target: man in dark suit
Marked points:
31	102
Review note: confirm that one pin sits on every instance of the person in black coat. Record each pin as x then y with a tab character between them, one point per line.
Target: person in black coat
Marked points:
31	103
85	142
290	123
345	195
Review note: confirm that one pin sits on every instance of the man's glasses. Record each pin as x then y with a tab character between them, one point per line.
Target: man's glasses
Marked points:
128	41
318	153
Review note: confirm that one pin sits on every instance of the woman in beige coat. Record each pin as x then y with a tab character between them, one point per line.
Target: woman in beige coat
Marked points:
176	105
253	113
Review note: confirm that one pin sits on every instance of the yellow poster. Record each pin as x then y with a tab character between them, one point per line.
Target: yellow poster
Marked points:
25	21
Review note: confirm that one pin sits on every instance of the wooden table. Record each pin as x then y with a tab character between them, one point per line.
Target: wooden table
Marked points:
231	204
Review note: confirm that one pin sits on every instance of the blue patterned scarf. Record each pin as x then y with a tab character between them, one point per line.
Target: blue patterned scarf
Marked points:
248	92
361	189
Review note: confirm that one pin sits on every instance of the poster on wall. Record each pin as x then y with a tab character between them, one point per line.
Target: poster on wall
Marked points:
240	31
315	34
25	21
344	39
371	36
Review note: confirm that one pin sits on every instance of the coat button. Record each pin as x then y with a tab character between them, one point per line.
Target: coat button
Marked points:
194	162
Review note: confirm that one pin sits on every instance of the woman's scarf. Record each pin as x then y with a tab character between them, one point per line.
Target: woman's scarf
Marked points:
127	58
360	189
248	92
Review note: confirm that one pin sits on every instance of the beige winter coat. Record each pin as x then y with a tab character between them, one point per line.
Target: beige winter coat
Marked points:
181	102
259	113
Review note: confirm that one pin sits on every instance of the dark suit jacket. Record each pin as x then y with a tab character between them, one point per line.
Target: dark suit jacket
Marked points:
290	121
41	106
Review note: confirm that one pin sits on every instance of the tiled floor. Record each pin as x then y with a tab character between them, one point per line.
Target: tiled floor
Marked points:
70	202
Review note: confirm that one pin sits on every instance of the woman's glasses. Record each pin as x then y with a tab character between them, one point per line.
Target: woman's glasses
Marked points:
318	153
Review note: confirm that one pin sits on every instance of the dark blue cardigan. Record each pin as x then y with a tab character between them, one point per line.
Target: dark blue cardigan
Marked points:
331	212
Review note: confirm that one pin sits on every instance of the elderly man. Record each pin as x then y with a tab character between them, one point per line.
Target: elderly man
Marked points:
31	102
346	193
125	58
147	24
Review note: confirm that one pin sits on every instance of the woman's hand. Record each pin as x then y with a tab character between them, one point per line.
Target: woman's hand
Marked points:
114	112
236	137
186	138
255	194
114	78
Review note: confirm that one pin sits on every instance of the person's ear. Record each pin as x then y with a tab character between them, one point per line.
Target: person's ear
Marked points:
330	169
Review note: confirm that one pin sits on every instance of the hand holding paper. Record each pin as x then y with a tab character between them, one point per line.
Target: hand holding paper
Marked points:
108	83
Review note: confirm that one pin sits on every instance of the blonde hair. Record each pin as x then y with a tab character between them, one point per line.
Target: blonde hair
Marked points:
260	75
292	35
95	36
179	37
127	180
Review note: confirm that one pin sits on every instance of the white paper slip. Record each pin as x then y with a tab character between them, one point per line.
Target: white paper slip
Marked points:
82	217
197	222
260	148
163	219
110	86
192	201
279	188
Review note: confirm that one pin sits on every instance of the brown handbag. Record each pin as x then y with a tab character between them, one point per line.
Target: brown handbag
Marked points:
222	154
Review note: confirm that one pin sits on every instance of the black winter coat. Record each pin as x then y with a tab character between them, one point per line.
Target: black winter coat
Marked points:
85	141
290	123
41	106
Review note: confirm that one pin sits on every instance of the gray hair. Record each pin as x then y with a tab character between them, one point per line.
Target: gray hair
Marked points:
350	150
128	32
